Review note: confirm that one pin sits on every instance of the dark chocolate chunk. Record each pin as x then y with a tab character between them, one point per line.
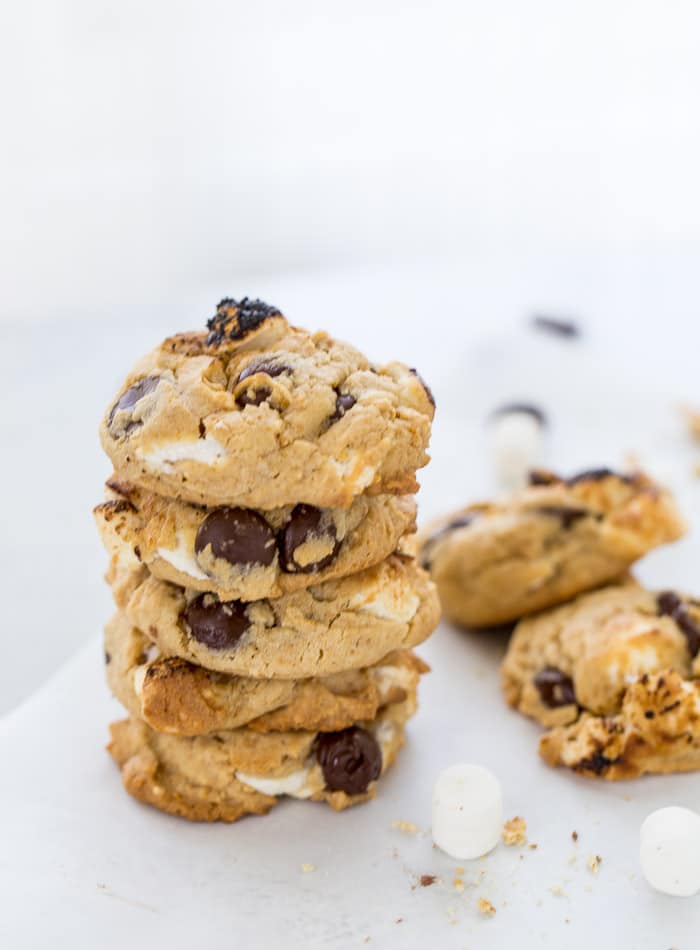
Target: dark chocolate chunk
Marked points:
234	319
258	394
538	414
350	760
567	516
538	476
428	390
267	366
556	326
555	687
238	535
670	604
343	403
217	624
305	524
597	763
128	399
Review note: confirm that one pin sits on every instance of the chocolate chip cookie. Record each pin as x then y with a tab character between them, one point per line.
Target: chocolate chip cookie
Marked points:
244	554
231	774
341	625
612	674
256	413
173	696
494	563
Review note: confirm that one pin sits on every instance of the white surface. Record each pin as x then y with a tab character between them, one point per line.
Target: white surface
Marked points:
669	851
82	864
467	817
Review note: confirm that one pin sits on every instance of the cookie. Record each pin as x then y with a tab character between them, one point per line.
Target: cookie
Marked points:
495	563
329	628
176	697
259	414
232	774
240	553
612	675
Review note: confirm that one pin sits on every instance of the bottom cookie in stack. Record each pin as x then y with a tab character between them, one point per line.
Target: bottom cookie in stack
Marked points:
213	746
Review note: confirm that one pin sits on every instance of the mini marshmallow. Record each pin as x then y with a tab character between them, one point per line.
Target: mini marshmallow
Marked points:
669	851
516	443
467	811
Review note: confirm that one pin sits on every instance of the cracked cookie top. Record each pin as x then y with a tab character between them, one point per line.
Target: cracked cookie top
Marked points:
258	413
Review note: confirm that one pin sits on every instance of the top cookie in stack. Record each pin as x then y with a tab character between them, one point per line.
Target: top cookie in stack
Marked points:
255	523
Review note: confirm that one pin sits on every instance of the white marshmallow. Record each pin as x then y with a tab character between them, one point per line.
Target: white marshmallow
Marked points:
516	447
467	811
669	851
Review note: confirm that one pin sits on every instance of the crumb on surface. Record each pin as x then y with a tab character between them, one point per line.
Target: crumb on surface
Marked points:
594	863
486	907
533	846
557	891
308	868
427	880
574	836
406	826
458	884
514	832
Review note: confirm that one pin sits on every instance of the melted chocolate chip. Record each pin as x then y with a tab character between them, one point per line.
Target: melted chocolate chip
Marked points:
597	763
349	760
304	525
254	397
567	516
238	535
525	407
268	367
671	605
555	687
428	390
539	477
343	403
128	399
556	326
217	624
234	319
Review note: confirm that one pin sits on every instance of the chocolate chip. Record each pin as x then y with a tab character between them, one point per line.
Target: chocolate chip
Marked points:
238	535
539	477
597	763
671	605
556	326
349	760
305	525
128	399
428	390
567	516
343	403
234	319
217	624
525	407
268	367
254	397
555	687
108	658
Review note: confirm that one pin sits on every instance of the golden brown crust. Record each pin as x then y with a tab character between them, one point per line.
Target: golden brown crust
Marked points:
495	563
341	625
656	731
173	696
211	427
140	527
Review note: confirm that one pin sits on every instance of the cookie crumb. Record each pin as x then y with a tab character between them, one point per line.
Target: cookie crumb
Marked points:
486	907
427	880
406	826
572	859
458	884
557	891
308	868
514	832
533	846
594	863
574	836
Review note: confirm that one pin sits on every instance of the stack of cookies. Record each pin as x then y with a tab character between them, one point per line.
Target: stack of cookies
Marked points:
611	669
258	524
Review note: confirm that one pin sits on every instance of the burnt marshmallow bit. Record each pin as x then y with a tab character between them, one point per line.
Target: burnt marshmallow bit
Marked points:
350	760
234	319
237	535
131	397
307	534
555	687
216	624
